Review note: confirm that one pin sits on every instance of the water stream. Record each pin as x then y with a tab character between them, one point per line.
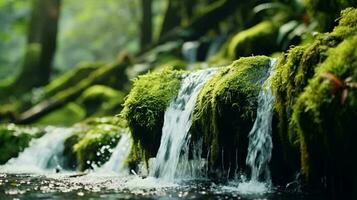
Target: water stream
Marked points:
44	153
177	122
260	139
115	164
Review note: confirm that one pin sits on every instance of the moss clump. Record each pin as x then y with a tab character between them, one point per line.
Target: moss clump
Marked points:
14	139
145	106
91	142
225	111
100	100
326	122
258	40
68	115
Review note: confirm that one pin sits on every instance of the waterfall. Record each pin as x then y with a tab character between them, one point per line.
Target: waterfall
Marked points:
116	161
260	139
42	153
189	52
177	122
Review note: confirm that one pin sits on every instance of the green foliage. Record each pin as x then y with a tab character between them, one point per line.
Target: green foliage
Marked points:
14	139
92	30
145	106
14	17
226	108
91	142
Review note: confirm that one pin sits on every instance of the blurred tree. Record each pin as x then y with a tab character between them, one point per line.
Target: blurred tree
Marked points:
146	24
13	22
41	46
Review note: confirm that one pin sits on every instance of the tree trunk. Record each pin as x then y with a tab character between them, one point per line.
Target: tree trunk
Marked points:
146	24
172	18
41	45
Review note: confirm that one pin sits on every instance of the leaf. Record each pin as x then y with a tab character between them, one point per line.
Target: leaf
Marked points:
335	82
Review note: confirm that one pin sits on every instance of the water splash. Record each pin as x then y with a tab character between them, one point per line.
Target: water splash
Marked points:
177	122
42	154
260	140
115	164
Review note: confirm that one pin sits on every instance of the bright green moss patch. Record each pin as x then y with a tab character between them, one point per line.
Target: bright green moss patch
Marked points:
226	109
14	139
100	100
145	106
92	141
257	40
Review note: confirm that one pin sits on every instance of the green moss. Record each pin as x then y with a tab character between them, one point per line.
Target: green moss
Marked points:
67	115
324	124
145	106
226	108
14	139
100	100
294	70
257	40
313	124
70	78
91	142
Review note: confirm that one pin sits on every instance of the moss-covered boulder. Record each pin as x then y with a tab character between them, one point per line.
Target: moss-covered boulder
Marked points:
257	40
100	100
226	109
92	141
325	117
144	109
313	125
14	139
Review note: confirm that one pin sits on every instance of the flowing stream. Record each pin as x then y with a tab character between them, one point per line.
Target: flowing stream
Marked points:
115	164
42	154
260	139
177	122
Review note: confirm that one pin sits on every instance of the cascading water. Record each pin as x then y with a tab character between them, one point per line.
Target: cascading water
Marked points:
43	153
177	122
189	52
260	140
116	161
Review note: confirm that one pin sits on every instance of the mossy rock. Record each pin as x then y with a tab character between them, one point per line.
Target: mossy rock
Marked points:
14	139
226	109
100	100
257	40
145	106
325	118
92	141
70	78
68	115
295	87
